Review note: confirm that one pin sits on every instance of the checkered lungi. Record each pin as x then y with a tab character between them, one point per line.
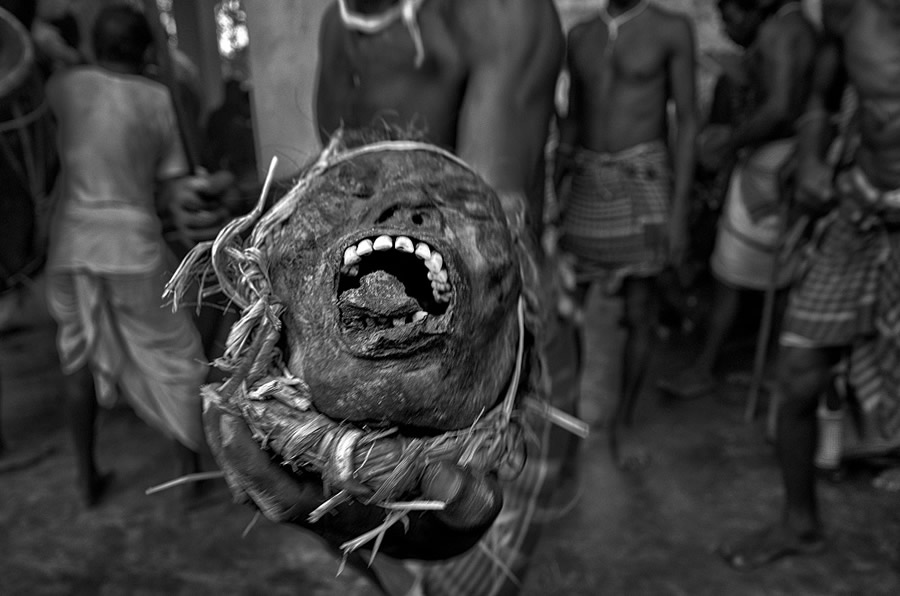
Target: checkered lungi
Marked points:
849	296
615	218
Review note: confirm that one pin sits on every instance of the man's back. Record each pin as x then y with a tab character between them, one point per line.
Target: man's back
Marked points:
117	139
117	136
480	84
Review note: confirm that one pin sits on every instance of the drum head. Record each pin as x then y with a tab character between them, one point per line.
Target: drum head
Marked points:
16	54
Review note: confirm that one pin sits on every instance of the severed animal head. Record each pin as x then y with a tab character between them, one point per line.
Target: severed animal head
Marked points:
399	280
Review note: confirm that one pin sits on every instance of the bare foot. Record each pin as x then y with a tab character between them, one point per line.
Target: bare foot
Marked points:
770	544
889	480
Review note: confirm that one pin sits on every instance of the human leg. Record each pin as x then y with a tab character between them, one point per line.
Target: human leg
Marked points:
697	380
81	410
804	375
638	320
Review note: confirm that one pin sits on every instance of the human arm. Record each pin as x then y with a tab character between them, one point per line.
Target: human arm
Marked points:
473	502
815	128
198	205
786	52
515	50
683	82
569	122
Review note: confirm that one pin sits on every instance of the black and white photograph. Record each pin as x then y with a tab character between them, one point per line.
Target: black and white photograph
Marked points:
450	297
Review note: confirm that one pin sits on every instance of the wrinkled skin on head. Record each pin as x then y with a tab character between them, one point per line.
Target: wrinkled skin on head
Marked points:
378	341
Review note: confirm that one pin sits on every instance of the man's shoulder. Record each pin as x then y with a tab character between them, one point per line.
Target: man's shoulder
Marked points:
793	28
536	14
671	23
517	27
669	29
68	76
583	28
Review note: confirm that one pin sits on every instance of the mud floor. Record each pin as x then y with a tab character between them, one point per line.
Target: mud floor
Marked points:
651	532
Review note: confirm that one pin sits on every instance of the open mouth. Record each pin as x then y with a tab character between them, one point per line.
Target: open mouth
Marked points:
393	284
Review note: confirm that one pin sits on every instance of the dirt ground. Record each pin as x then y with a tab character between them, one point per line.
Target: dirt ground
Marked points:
614	533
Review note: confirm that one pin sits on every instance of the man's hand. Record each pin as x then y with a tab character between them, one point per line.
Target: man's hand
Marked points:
472	502
713	148
200	205
815	184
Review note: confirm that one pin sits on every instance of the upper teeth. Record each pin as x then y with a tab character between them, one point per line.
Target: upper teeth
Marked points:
383	243
431	258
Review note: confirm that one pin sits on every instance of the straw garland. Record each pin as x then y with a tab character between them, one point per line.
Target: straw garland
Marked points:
376	467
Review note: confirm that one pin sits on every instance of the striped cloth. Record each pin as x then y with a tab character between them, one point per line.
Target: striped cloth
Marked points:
849	296
615	217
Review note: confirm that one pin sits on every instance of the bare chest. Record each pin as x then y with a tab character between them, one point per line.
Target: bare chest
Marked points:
391	76
633	53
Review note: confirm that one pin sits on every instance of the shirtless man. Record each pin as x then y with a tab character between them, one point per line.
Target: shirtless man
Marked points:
624	218
429	66
487	97
781	49
845	303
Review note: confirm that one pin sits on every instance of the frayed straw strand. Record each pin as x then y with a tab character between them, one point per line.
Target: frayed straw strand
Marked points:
186	479
251	524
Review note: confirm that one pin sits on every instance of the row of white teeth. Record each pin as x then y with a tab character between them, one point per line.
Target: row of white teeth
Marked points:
397	321
432	259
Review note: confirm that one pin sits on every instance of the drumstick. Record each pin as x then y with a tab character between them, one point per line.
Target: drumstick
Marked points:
168	77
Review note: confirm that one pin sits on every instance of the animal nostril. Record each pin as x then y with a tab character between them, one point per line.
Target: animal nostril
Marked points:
386	215
417	219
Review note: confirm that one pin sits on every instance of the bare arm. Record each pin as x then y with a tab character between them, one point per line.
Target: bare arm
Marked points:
815	129
328	31
515	50
569	122
683	77
787	64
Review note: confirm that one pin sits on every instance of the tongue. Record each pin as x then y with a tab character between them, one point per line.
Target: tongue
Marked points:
379	294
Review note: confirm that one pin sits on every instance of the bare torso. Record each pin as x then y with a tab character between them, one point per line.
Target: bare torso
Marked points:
368	79
484	88
778	68
872	58
620	94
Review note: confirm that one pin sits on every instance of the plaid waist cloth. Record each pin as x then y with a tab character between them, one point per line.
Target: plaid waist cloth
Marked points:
849	296
615	216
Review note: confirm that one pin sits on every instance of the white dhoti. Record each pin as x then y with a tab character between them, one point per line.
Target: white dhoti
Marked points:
118	326
752	223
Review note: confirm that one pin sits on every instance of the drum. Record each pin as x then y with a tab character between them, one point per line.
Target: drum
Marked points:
27	156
